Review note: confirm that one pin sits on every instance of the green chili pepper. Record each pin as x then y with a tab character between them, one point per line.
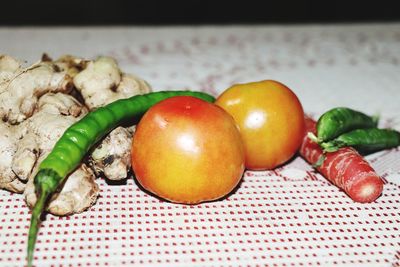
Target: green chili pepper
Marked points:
340	120
76	141
365	140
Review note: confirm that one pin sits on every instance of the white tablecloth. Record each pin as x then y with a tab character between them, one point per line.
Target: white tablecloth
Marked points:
287	217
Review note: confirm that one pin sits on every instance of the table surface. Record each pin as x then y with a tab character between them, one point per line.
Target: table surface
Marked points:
287	217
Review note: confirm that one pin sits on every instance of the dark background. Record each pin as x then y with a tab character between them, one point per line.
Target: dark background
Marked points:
150	12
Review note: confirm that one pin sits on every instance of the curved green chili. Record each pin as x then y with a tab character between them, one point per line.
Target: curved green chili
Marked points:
340	120
76	141
364	140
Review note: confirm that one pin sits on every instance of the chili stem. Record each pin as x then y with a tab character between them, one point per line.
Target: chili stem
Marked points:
35	223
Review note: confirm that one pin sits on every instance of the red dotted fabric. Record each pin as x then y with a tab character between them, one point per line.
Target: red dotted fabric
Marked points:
290	216
287	217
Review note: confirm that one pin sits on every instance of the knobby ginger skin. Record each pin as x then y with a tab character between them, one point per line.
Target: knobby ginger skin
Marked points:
102	83
8	146
19	94
38	103
112	158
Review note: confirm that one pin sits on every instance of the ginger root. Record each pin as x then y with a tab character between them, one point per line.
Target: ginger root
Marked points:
39	102
20	91
8	66
112	157
102	83
8	142
38	134
79	192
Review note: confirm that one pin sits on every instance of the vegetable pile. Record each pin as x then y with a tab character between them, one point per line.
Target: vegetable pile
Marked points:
172	123
341	127
345	168
333	145
76	141
70	120
39	102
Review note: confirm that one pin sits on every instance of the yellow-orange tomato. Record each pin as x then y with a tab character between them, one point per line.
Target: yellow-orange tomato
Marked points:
270	118
188	151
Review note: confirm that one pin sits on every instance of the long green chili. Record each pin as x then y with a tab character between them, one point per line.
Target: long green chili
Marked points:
77	140
364	140
340	120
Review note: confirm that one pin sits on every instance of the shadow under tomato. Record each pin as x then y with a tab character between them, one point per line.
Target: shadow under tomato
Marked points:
234	190
116	182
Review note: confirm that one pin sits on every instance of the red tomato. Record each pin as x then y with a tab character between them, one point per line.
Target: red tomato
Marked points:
270	118
188	151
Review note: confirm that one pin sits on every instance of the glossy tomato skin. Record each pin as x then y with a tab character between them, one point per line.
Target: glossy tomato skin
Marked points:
270	118
188	151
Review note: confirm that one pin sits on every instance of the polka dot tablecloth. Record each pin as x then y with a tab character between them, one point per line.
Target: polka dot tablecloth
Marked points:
290	216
